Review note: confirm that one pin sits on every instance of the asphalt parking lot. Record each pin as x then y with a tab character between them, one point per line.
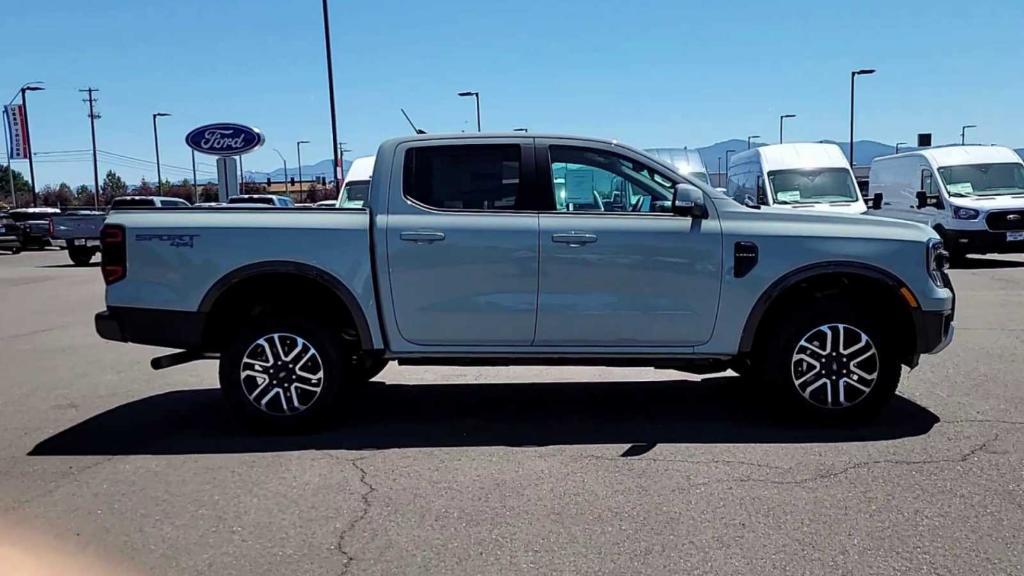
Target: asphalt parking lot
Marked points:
106	463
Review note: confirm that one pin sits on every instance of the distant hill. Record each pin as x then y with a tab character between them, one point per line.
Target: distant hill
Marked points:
321	168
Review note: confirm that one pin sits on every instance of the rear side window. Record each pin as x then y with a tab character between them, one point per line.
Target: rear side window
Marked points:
466	177
132	202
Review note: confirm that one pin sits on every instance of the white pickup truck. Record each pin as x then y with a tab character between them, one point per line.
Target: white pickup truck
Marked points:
490	250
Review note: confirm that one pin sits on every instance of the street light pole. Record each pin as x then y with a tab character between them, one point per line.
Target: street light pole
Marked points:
475	95
963	131
156	146
298	153
285	162
330	89
31	87
781	118
853	77
28	139
898	144
749	138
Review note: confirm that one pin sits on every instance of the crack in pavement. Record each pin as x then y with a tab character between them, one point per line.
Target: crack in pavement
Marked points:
828	475
364	498
64	481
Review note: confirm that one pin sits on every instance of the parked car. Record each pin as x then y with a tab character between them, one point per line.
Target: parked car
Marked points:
687	162
264	199
35	226
462	256
356	189
973	196
10	234
80	229
799	176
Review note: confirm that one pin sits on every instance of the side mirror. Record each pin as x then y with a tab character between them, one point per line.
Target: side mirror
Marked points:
749	202
762	196
876	201
688	201
925	200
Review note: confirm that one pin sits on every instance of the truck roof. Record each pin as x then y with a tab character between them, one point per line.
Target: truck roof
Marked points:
795	156
960	155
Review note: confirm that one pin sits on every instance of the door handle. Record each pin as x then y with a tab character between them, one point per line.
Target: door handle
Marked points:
574	238
422	236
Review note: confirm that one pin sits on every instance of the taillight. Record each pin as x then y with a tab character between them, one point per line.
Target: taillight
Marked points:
115	256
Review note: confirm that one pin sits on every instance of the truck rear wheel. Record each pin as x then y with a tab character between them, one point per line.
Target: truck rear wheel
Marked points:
282	374
81	255
833	362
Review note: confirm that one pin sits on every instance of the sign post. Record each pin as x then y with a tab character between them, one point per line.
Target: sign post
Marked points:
225	140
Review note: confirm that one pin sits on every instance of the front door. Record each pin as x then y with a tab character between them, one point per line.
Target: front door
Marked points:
617	268
462	245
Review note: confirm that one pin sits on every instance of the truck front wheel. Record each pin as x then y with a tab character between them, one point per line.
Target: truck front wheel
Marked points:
832	362
282	374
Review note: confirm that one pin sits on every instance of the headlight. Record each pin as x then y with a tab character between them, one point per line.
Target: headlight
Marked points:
938	262
966	213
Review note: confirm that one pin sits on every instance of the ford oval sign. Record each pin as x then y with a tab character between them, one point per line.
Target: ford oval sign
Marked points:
224	139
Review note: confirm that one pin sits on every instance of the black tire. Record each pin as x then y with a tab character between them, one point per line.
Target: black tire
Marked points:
281	412
81	256
809	329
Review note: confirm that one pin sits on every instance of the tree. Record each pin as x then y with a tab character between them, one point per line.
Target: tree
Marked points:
112	187
182	190
21	186
209	193
145	188
84	196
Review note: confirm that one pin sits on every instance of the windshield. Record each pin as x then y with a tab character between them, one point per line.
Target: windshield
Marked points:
813	186
983	179
356	191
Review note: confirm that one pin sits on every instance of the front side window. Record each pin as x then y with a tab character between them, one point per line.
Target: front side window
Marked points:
813	186
983	179
464	177
586	180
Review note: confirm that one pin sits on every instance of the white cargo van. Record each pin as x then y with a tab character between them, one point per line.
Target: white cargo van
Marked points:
357	183
687	162
807	176
973	196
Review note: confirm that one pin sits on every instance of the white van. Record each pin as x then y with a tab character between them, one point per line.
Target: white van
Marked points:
799	176
687	162
973	196
357	183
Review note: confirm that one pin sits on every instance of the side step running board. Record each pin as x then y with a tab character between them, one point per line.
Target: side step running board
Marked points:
179	358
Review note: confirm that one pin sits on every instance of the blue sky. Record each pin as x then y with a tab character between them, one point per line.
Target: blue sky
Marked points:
649	73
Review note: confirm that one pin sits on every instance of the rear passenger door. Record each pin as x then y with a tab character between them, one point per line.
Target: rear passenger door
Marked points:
462	243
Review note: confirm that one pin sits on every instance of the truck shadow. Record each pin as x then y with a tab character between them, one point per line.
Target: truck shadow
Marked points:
640	413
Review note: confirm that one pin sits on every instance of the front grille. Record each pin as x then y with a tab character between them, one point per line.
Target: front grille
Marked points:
1007	220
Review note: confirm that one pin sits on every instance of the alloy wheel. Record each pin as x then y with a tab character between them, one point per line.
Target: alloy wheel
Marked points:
835	366
282	374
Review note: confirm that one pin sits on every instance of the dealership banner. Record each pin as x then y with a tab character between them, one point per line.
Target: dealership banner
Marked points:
17	129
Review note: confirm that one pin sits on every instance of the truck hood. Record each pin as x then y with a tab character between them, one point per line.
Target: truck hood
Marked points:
822	224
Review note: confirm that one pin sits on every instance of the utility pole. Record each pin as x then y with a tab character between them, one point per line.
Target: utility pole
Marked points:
330	89
28	140
93	117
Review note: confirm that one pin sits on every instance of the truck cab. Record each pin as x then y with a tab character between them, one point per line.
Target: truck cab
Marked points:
799	176
973	196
